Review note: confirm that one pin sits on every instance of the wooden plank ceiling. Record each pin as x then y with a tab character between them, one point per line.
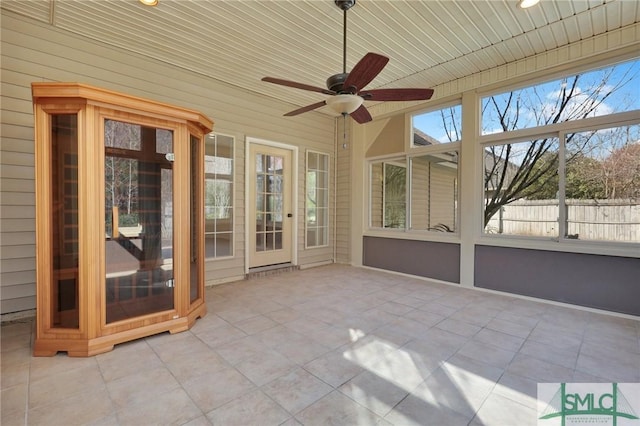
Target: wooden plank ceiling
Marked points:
240	41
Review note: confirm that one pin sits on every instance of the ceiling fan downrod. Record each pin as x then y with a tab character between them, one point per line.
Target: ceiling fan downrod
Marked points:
344	5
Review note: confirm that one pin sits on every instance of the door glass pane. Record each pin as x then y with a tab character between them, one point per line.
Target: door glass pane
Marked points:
269	202
64	221
139	221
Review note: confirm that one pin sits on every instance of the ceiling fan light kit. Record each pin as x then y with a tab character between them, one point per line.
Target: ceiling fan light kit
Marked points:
345	103
345	90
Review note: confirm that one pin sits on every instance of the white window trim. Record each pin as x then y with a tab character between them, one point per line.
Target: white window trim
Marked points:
559	243
328	222
233	198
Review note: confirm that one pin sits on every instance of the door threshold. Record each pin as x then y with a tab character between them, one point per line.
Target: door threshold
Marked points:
261	271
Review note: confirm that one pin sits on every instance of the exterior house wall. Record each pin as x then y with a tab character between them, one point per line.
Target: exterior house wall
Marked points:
35	51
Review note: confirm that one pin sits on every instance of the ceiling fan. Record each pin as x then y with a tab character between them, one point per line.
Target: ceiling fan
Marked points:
346	90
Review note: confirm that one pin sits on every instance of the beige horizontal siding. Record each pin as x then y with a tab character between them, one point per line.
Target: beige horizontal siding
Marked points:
34	51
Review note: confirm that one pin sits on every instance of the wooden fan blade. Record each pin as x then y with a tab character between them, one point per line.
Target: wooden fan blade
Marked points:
361	115
397	94
364	71
305	109
297	85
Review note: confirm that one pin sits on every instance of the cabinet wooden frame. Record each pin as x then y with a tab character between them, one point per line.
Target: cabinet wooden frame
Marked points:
92	334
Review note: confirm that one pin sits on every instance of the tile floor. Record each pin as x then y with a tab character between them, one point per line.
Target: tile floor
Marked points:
333	345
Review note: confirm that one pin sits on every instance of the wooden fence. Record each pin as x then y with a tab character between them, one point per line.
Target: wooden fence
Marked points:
606	220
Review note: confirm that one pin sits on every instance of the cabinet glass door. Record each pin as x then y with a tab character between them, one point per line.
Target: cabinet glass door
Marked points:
138	219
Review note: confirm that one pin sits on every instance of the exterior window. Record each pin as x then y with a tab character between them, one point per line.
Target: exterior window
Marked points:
434	191
578	176
317	199
521	187
602	184
218	209
590	94
436	127
388	195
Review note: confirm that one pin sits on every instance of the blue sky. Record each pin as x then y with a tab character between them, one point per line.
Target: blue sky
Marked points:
543	98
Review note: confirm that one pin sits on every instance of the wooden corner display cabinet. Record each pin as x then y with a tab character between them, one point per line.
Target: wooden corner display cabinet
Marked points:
119	218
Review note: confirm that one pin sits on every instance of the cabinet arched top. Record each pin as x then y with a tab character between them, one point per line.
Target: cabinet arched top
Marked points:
51	93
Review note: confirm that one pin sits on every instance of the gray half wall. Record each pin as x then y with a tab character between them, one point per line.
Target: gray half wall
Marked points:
428	259
603	282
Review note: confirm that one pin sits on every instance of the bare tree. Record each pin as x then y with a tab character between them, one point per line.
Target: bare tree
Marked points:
520	170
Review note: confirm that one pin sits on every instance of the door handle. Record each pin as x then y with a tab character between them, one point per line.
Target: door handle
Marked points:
289	214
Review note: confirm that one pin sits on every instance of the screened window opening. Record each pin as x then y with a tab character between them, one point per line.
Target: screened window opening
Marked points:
434	191
218	170
578	176
590	94
388	196
521	187
317	199
602	184
437	127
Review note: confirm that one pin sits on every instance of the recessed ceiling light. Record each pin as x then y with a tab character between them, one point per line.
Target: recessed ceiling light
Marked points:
522	3
149	2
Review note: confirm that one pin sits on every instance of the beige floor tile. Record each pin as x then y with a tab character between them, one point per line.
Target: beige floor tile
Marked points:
170	408
284	315
520	389
374	392
87	407
218	336
142	386
297	390
565	357
12	375
414	411
17	328
10	343
188	368
13	418
46	366
510	327
487	354
62	385
337	409
212	390
458	327
499	339
464	393
199	421
184	345
408	349
302	350
15	357
253	408
265	367
333	368
556	339
242	349
332	337
256	324
129	358
539	370
13	400
475	315
498	411
608	368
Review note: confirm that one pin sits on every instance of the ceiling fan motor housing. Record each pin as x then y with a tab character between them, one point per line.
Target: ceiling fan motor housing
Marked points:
345	4
336	81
